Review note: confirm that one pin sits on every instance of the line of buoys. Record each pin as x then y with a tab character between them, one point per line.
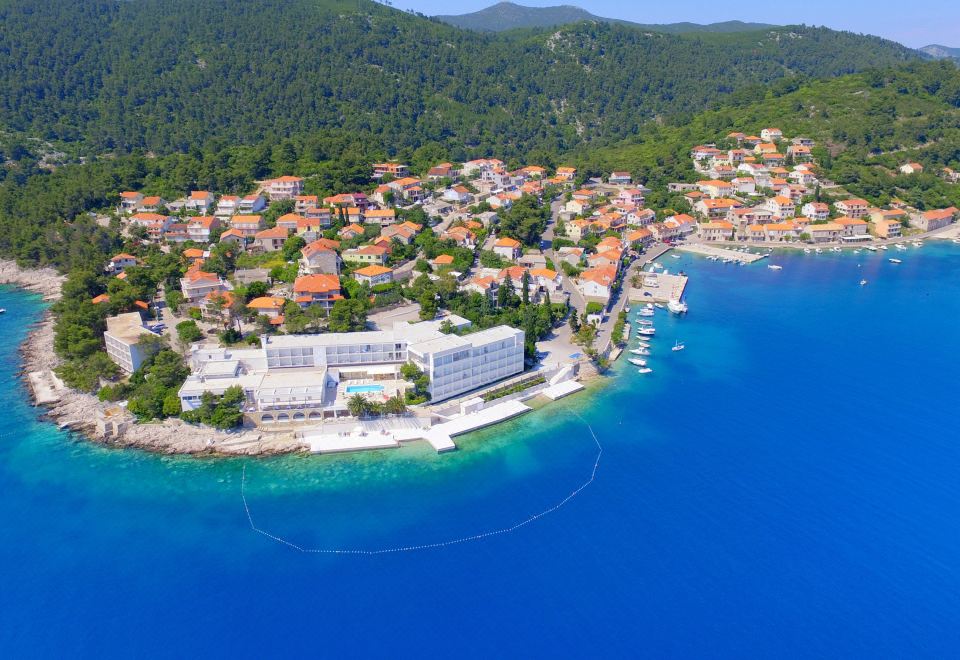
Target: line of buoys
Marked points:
426	546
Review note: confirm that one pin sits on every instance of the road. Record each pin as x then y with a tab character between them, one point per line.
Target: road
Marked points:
576	298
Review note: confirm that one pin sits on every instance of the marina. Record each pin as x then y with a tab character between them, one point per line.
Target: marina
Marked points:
721	253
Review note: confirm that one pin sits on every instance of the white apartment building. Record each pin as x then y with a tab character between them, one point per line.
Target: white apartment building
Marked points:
122	339
303	378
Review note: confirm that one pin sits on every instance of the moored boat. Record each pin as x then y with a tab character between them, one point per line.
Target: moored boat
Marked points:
894	261
677	306
637	362
678	346
645	370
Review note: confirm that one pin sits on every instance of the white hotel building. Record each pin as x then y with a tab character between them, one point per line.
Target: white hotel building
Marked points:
302	378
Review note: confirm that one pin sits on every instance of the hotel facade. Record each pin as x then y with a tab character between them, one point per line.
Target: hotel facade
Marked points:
293	379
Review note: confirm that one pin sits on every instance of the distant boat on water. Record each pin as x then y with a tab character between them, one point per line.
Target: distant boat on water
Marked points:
677	306
775	267
637	362
895	261
678	346
863	283
645	370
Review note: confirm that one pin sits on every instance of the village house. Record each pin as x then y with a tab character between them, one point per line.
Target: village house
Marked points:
304	202
366	255
319	258
799	152
130	201
151	204
350	232
217	306
771	134
227	206
716	208
284	187
571	255
933	220
269	306
247	225
122	340
620	179
816	211
155	224
320	289
200	201
458	195
196	284
887	228
716	231
442	261
950	175
382	217
567	173
317	216
852	227
609	257
120	263
825	233
779	232
201	227
442	171
705	152
744	185
632	197
781	207
597	283
577	207
347	200
251	204
461	236
639	238
373	275
507	248
852	208
911	168
394	170
715	188
270	240
288	221
177	232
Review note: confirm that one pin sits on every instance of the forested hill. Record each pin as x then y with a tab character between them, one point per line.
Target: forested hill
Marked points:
169	75
510	16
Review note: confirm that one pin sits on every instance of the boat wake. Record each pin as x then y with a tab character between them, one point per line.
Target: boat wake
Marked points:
426	546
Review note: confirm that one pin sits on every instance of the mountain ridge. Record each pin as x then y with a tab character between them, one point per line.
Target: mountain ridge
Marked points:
509	16
940	52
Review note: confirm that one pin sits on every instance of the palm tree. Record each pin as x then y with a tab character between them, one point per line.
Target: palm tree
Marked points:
395	405
357	405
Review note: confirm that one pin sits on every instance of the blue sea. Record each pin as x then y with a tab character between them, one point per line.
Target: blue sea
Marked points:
787	486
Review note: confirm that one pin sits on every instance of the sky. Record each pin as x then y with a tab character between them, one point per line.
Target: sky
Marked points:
915	23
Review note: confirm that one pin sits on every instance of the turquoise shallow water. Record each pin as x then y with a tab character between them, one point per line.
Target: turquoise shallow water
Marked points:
787	485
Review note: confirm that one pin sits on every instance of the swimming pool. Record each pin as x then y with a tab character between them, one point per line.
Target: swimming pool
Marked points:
363	389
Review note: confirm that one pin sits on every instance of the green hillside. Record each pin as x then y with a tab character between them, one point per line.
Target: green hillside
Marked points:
510	16
169	75
865	125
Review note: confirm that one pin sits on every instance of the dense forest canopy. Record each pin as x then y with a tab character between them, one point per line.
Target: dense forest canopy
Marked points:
169	75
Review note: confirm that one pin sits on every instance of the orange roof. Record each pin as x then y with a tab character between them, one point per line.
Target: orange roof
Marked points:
506	241
286	179
267	302
849	221
151	201
273	232
317	246
129	195
443	260
853	202
322	283
939	214
148	217
381	213
543	272
205	221
372	271
200	194
193	253
245	219
372	249
288	217
355	228
122	256
603	275
716	225
101	298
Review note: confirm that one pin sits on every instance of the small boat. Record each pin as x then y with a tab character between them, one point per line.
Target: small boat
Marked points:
647	331
871	248
857	251
643	344
658	305
884	247
956	240
677	306
639	351
678	346
806	250
3	310
895	261
863	283
901	246
627	309
645	312
819	251
917	244
637	362
645	370
835	249
644	322
774	267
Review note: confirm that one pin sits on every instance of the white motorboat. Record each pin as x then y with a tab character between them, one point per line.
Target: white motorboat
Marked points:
647	331
678	346
675	256
884	247
895	261
645	370
644	322
806	250
677	306
3	310
640	351
871	248
835	249
658	305
637	362
901	246
774	267
863	283
643	344
646	311
627	309
819	251
917	244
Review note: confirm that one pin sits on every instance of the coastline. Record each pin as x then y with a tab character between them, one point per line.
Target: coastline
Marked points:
80	411
108	424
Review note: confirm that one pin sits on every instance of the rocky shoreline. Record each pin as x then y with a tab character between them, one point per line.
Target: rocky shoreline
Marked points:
106	423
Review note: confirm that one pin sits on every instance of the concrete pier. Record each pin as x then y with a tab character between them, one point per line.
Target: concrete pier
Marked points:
721	253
